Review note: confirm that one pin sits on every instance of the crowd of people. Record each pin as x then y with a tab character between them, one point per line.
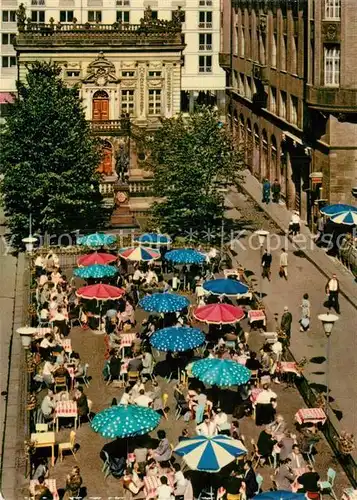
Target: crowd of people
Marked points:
132	365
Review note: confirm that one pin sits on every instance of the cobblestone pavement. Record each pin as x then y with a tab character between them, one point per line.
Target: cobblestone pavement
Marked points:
304	277
91	348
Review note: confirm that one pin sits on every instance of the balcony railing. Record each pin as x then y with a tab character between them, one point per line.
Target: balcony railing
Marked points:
205	25
205	46
38	2
336	99
205	69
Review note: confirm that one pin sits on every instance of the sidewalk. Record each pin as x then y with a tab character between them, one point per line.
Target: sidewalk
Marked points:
317	256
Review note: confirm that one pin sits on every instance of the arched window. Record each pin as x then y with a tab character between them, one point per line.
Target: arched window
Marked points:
274	152
256	150
106	164
264	162
249	145
100	106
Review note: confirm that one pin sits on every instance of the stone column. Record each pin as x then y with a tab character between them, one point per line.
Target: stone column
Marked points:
191	105
168	90
142	91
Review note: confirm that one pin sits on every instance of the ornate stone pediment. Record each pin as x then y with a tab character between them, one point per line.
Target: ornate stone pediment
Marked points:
101	72
128	84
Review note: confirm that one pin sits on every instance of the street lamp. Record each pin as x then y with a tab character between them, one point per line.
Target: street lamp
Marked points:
26	333
328	320
262	236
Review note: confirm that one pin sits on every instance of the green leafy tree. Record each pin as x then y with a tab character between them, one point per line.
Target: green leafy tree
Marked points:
49	159
191	159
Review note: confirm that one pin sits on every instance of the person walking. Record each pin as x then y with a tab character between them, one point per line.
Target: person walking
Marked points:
285	324
283	271
266	264
275	189
294	225
266	191
305	313
332	290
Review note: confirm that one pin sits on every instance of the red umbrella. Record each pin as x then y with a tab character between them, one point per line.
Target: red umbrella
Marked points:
100	291
219	314
96	258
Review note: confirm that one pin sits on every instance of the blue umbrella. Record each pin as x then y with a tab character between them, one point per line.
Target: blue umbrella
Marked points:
153	239
125	421
96	240
209	454
280	495
95	271
164	302
220	372
185	256
225	286
337	208
177	339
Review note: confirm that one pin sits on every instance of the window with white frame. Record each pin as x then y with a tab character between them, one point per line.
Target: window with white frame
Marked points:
273	49
66	16
332	65
294	104
94	16
154	102
272	103
8	16
205	41
38	16
282	104
241	84
8	61
332	9
123	16
205	64
127	102
124	3
205	19
8	38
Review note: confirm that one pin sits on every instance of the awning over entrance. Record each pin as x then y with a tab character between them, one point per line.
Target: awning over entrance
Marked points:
6	98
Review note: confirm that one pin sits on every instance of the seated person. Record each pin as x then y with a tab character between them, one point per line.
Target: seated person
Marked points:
140	458
252	363
147	364
137	387
135	364
265	443
48	406
180	481
284	475
164	491
163	452
297	460
151	468
221	420
46	346
309	481
207	428
132	482
82	402
41	492
232	485
143	399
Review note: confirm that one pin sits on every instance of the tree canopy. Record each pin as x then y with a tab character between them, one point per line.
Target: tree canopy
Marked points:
191	158
49	159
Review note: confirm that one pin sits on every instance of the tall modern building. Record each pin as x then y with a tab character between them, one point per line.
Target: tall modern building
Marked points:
203	80
292	95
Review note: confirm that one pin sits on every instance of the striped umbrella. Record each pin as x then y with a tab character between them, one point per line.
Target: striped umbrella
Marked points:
337	208
349	218
220	372
209	454
139	254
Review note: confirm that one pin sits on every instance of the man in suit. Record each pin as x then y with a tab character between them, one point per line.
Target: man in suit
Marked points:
286	446
332	290
309	481
284	476
250	480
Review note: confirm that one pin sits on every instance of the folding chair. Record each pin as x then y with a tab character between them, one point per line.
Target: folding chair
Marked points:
165	398
328	485
41	427
260	481
60	382
133	376
84	377
310	454
256	456
106	465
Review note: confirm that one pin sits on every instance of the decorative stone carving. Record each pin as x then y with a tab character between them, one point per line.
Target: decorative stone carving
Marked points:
101	72
128	65
128	84
263	23
142	89
169	89
154	83
331	32
21	17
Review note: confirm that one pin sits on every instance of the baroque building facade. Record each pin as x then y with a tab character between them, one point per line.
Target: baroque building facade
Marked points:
203	80
292	95
128	76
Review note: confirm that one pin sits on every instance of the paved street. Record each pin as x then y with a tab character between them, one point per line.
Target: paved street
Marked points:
304	277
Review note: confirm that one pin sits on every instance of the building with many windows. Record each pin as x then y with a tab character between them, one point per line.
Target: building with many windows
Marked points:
203	79
292	94
128	76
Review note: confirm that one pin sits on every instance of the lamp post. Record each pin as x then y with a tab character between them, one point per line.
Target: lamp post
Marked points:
262	235
328	320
